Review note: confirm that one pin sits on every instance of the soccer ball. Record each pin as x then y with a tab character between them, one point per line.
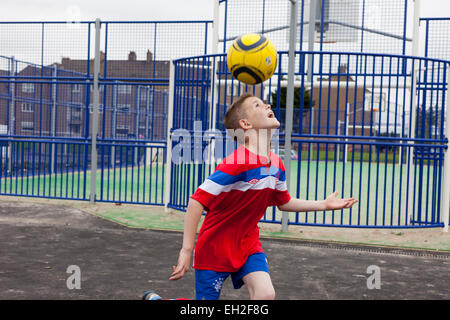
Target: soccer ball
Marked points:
252	58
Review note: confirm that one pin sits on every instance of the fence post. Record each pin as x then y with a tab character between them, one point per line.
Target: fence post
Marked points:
12	109
415	73
95	106
137	123
215	84
290	103
311	38
168	173
114	122
445	206
216	21
53	115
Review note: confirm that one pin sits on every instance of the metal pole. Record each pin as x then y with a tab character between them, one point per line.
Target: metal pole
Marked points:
114	122
149	155
445	206
346	133
11	128
290	103
137	123
53	129
168	174
415	75
95	106
310	71
311	38
216	21
338	147
214	84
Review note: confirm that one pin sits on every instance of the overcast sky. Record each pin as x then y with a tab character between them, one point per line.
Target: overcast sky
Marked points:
114	10
63	10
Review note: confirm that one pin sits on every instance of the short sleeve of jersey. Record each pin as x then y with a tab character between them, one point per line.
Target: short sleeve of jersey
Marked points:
205	198
280	197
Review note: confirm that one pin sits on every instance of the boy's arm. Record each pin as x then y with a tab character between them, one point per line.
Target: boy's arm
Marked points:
330	203
191	220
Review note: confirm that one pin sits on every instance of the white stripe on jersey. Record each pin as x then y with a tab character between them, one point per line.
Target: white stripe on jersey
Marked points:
267	182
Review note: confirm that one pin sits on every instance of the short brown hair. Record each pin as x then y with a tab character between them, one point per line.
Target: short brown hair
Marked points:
236	112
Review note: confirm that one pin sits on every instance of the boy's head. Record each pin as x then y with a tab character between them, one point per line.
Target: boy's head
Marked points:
250	112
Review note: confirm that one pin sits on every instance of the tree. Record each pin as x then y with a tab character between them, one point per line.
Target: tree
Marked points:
426	123
297	103
297	97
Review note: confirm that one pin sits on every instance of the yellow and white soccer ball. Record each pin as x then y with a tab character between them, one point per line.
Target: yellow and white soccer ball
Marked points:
252	58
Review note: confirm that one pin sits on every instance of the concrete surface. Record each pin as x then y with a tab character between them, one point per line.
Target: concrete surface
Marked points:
39	242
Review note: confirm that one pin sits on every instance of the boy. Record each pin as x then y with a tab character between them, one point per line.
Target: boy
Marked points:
235	198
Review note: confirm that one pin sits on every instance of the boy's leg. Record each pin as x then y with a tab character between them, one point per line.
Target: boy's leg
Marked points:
255	274
208	284
259	285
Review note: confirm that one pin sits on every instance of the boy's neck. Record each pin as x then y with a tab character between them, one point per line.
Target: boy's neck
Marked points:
259	144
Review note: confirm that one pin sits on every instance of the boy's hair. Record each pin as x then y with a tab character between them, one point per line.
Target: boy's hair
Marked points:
236	112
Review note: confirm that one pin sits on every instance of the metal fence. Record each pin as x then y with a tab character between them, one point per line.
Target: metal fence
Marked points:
376	134
370	26
436	37
48	106
88	110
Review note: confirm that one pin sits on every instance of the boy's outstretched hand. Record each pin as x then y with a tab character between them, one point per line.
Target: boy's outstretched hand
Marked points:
333	203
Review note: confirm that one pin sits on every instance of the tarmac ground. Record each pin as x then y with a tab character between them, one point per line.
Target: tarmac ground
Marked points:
43	246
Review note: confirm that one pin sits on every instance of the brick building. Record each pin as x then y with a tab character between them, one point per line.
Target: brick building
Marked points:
129	106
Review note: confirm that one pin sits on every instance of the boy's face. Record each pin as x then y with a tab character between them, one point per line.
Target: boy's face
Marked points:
259	114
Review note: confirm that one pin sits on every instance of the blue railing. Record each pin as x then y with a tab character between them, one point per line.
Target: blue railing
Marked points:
379	152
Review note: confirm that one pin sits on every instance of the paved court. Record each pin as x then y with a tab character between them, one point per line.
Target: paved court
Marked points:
39	242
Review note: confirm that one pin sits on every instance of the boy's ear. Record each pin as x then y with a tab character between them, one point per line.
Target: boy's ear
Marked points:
245	124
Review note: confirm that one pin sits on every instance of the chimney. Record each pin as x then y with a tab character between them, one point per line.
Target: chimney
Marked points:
132	56
149	56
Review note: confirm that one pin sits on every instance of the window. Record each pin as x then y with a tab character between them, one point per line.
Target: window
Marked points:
122	130
27	125
28	87
27	107
124	89
123	108
76	88
75	129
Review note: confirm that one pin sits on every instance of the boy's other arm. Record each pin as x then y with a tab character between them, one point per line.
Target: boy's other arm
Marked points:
330	203
191	220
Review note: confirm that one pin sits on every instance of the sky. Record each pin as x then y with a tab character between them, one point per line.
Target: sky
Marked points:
63	10
130	10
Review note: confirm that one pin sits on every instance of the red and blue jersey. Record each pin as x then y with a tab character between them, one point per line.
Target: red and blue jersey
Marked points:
235	198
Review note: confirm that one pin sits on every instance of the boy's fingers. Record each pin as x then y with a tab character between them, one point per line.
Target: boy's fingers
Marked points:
177	275
176	270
